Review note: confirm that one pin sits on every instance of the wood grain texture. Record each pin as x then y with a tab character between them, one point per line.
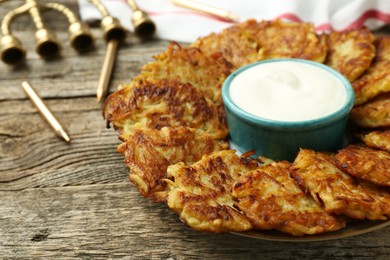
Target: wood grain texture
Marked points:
112	220
74	200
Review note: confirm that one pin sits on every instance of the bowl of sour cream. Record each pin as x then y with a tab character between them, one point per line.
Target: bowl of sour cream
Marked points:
275	107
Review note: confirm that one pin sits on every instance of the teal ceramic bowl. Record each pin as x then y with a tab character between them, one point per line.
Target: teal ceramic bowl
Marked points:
281	140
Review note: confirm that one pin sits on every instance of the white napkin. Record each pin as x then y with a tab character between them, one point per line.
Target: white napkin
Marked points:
184	25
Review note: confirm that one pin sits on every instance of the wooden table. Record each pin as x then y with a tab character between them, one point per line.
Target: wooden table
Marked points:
74	200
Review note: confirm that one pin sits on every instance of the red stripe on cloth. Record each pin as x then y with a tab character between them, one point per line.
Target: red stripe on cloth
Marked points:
324	27
369	14
289	16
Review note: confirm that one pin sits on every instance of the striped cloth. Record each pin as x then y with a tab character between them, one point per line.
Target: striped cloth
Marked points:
184	25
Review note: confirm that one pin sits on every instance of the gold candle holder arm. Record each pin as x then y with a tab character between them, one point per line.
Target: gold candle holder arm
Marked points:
7	19
80	36
111	26
35	14
47	44
102	9
113	33
143	25
11	49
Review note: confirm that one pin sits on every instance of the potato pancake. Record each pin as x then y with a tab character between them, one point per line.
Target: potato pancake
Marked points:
338	191
374	113
238	43
201	193
366	163
377	139
163	103
350	52
253	41
271	199
376	80
189	65
279	39
149	152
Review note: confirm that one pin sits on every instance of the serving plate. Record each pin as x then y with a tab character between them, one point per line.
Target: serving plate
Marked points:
352	229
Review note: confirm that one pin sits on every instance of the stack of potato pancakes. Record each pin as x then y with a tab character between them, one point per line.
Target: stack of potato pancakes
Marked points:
172	123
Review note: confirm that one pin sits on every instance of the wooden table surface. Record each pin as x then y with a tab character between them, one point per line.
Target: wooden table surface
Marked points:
74	200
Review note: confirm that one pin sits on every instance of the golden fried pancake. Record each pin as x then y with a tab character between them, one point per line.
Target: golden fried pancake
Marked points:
149	152
163	103
339	192
189	65
238	43
350	52
279	39
201	193
271	199
374	113
376	80
252	41
366	163
377	139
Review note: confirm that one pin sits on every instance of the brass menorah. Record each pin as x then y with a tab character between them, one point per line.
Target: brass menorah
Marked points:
47	44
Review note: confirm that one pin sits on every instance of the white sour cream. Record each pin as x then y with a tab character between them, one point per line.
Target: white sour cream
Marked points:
288	91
